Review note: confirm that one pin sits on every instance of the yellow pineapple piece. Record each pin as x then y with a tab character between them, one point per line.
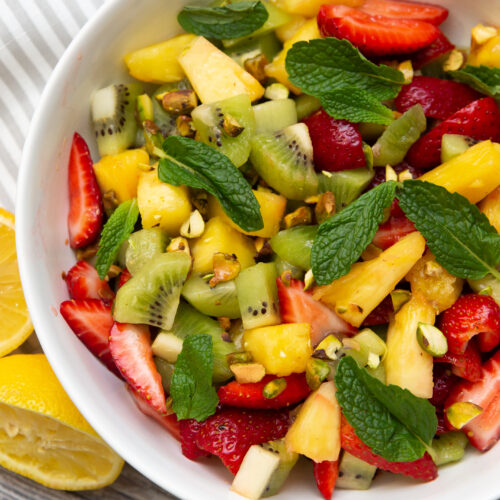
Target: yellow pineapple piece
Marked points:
474	174
220	237
289	29
490	207
214	75
162	204
406	363
434	282
158	63
315	432
356	294
310	8
282	349
488	53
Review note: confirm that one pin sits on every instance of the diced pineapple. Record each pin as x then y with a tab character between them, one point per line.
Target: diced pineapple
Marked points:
120	173
406	363
214	75
474	174
315	432
310	8
220	237
487	53
356	294
490	207
158	63
162	204
289	29
282	349
434	282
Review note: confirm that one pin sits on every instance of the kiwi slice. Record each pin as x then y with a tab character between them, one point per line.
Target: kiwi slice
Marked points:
227	126
249	48
287	460
113	117
142	246
354	473
284	160
306	105
453	145
152	296
294	245
449	447
274	115
221	300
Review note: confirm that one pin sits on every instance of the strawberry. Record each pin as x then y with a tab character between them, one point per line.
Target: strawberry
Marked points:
189	430
337	144
326	474
439	48
375	35
484	430
130	346
381	314
298	306
85	203
124	277
479	120
466	365
83	282
444	380
471	315
250	395
433	14
423	468
392	231
439	98
91	322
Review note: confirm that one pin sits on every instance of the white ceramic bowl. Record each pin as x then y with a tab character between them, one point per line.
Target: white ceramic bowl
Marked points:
94	60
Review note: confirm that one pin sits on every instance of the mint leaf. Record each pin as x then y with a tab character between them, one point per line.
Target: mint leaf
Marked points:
481	78
231	21
323	65
197	165
340	241
116	230
457	233
191	388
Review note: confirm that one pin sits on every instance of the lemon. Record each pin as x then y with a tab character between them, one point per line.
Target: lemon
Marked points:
42	434
16	323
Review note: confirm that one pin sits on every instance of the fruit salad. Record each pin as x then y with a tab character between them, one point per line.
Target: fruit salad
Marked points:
288	246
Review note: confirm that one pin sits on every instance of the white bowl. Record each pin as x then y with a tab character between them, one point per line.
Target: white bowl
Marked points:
94	60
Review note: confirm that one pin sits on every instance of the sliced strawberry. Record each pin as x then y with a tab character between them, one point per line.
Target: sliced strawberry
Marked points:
83	282
442	425
444	380
298	306
85	203
466	365
439	98
423	468
91	322
375	35
381	314
130	346
484	430
337	144
479	120
429	13
326	474
392	231
471	315
189	430
440	47
124	277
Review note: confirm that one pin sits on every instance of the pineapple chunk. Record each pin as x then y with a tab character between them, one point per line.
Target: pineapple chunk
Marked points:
289	29
310	8
272	208
316	430
158	63
474	174
356	294
487	53
214	75
282	349
120	173
434	282
490	207
220	237
406	363
161	204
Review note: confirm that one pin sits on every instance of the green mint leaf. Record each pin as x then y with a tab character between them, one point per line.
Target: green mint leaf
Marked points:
374	422
326	64
356	105
231	21
197	165
457	233
341	240
191	388
116	230
482	78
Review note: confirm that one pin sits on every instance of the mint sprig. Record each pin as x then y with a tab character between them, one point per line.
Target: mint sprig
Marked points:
481	78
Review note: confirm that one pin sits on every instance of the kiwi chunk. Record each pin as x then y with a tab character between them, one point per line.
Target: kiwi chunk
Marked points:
489	284
274	115
453	145
165	121
294	245
354	473
152	296
142	246
267	45
306	105
449	447
284	159
287	461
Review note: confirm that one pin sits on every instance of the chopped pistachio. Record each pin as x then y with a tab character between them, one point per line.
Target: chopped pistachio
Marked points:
88	252
461	413
303	215
405	175
255	66
226	268
325	207
179	102
200	202
179	244
330	345
184	124
486	291
224	323
406	67
308	280
274	388
239	357
455	61
312	200
432	340
390	174
231	126
399	298
110	201
286	277
316	371
248	373
194	226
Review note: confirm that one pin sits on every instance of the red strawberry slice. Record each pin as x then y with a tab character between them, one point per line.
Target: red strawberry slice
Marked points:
189	430
337	144
423	468
250	395
484	430
326	474
130	346
444	380
471	315
479	120
375	35
381	314
392	231
466	365
91	322
439	98
433	14
124	277
298	306
440	47
85	203
83	282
